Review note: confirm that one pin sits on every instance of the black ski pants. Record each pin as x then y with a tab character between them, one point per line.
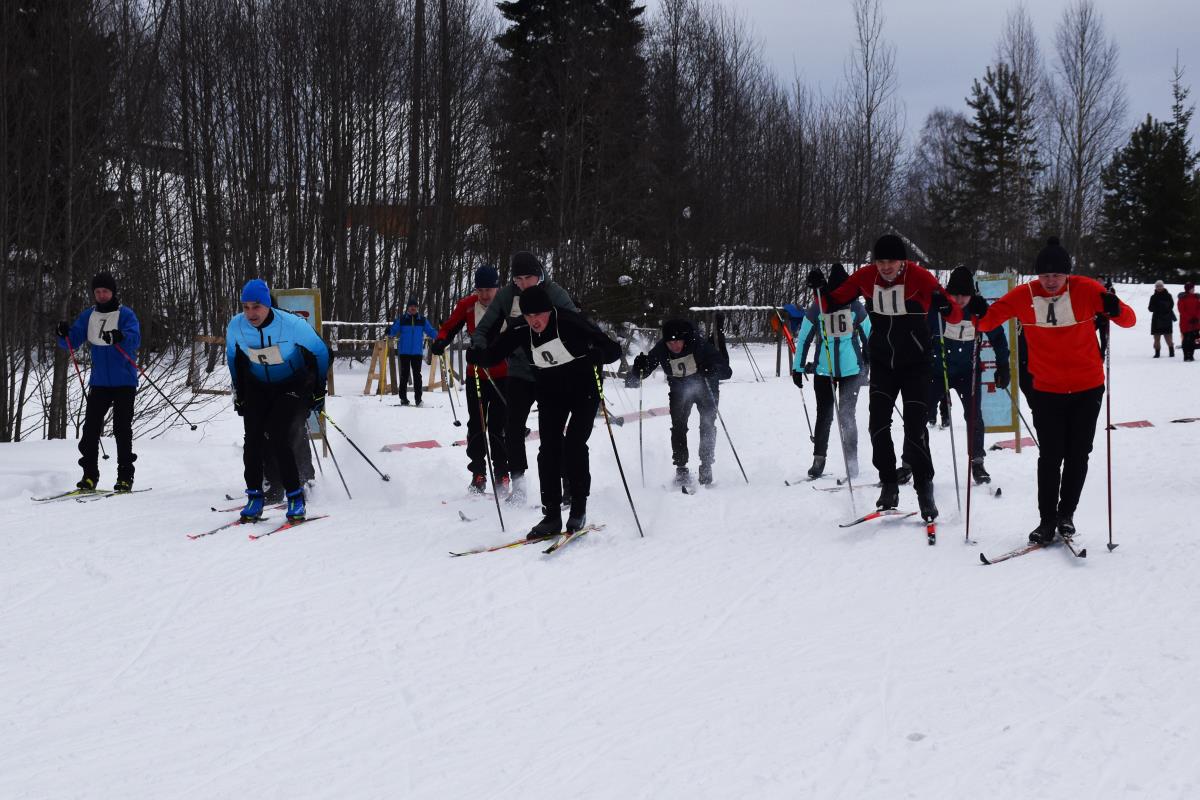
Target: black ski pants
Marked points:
100	399
410	364
886	385
297	438
269	417
685	393
1066	426
520	394
1189	341
847	388
566	413
494	410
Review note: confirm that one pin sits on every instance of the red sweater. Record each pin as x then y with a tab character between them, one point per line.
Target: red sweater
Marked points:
899	312
1188	307
1064	355
469	311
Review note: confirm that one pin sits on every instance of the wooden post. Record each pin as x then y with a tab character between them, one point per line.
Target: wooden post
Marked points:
377	370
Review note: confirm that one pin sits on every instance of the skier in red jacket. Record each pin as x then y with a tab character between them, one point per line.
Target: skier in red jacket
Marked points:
469	311
1058	313
1189	320
899	295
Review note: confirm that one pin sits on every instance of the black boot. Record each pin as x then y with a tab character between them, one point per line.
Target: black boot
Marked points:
705	474
683	476
1043	533
904	474
550	525
929	510
1066	526
578	516
979	473
817	468
889	496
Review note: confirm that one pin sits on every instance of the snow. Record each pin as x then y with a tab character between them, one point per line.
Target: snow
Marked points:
746	647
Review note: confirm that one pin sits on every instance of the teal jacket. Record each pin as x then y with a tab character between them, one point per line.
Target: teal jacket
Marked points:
841	348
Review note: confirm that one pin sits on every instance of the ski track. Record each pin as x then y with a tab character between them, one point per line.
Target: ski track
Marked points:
746	647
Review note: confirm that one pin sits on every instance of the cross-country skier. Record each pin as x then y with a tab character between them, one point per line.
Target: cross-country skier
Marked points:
1189	321
899	295
567	351
109	328
1058	312
409	330
964	363
469	311
278	365
527	272
839	359
694	367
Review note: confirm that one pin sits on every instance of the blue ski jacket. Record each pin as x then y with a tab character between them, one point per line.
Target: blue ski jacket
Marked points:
109	367
275	353
411	330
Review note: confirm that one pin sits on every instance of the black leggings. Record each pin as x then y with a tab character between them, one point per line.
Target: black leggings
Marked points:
100	399
493	407
913	384
269	418
564	424
410	364
847	403
1066	426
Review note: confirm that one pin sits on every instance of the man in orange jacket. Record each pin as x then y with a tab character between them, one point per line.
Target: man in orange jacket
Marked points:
1058	313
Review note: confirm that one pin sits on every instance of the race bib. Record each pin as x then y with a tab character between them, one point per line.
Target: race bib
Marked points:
889	300
684	366
839	324
516	307
1053	312
101	321
551	354
961	332
267	356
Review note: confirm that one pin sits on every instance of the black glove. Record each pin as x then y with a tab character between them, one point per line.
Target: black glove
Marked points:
976	306
112	337
816	280
438	347
1112	306
641	364
941	304
1003	376
239	405
474	355
798	379
318	399
810	368
63	329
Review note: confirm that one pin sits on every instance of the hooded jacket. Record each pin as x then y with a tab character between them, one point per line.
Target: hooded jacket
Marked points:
109	367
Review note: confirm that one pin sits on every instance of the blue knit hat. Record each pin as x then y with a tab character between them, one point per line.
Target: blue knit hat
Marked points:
256	291
487	277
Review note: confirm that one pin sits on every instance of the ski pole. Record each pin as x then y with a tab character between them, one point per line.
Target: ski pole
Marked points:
616	454
728	438
445	380
329	419
950	417
155	385
807	419
313	447
1108	429
86	394
972	420
487	446
835	391
1028	427
335	463
641	450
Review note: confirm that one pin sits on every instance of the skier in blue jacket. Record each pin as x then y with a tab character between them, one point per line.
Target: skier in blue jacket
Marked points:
958	339
113	336
839	341
409	330
278	365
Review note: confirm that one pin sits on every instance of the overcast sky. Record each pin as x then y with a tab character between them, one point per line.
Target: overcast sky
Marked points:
941	45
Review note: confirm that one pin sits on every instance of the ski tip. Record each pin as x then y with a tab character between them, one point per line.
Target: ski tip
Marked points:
998	492
1083	553
983	559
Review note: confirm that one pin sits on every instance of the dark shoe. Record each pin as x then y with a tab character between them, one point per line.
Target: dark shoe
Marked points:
904	474
478	484
1066	526
516	494
1043	533
578	516
550	525
683	476
929	510
123	485
979	473
817	468
1157	354
254	505
705	474
889	496
403	401
87	483
295	504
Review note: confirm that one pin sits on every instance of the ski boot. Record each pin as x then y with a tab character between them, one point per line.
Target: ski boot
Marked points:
551	523
929	510
1066	526
87	483
889	496
478	484
516	494
705	474
295	505
253	509
978	472
817	468
683	476
123	485
578	516
1043	533
904	473
503	487
403	401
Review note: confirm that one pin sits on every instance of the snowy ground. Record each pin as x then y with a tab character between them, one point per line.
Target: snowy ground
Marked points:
747	647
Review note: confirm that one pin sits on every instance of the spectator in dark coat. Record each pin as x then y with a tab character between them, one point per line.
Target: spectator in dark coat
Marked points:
1162	319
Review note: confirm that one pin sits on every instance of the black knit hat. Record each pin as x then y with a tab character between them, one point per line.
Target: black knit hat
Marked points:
104	280
676	329
889	247
962	281
525	263
1053	258
837	276
534	300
